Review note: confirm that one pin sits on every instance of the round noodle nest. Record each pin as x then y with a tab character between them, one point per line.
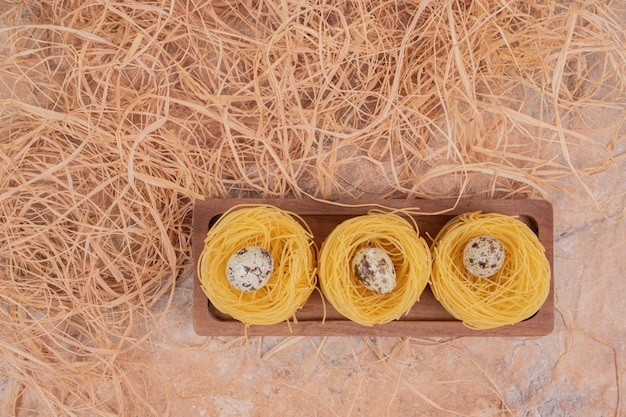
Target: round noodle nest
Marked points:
513	294
408	252
289	241
115	116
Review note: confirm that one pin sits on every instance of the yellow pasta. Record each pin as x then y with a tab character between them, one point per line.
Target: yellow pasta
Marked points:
289	241
516	292
407	250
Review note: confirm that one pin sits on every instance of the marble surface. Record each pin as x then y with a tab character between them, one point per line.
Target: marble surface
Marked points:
577	371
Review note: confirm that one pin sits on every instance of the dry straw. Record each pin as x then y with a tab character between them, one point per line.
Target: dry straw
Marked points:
115	116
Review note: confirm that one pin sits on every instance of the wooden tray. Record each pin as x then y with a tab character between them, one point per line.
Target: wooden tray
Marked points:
426	318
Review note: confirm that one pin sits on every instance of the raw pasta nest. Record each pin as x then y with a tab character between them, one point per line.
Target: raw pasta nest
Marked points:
515	293
289	241
400	240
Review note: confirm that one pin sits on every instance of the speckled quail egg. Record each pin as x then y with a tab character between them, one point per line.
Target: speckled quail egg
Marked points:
483	256
249	268
373	267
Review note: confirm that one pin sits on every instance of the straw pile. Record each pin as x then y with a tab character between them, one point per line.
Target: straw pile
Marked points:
115	116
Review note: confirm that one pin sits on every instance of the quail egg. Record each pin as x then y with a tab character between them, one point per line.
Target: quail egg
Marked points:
483	256
374	268
249	268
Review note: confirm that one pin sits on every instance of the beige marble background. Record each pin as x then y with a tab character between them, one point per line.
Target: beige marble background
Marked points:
577	370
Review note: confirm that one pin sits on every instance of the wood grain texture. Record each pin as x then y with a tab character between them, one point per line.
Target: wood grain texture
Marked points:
427	318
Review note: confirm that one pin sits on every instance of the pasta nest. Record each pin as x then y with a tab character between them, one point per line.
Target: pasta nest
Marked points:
400	240
290	243
515	293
